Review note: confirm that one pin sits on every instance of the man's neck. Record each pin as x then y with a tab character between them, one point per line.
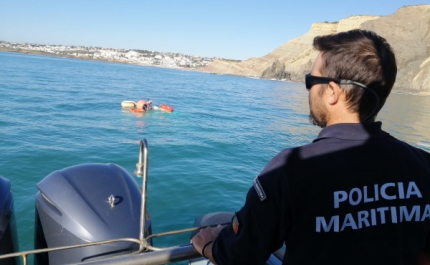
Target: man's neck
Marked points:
337	107
342	117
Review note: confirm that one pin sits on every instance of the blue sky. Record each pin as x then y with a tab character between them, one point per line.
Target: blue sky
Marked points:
234	29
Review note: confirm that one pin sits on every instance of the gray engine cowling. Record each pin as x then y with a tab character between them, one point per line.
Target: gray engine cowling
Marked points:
87	203
8	233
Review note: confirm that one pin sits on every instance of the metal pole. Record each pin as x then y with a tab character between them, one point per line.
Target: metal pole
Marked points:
142	169
140	162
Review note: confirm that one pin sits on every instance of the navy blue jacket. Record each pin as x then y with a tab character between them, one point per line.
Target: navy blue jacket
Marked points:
355	195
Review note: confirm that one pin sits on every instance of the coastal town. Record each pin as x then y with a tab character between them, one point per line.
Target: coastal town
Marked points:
132	56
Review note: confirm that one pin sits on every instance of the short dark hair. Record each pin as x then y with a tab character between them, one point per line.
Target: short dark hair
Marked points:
361	56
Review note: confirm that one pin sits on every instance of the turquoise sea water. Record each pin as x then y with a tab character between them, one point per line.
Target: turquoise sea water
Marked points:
203	157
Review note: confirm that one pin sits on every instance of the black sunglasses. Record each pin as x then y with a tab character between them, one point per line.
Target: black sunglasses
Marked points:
312	80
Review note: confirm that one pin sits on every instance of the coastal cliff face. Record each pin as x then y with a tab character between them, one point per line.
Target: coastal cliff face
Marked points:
407	30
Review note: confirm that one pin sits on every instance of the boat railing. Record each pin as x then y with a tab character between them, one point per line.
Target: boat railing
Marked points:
145	253
25	254
142	170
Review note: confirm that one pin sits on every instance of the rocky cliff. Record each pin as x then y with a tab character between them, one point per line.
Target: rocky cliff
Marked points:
407	30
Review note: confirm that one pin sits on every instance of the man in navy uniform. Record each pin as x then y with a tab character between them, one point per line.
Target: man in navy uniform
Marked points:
355	195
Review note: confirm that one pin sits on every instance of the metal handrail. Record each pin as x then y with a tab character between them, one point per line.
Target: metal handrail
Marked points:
180	248
175	232
24	254
142	170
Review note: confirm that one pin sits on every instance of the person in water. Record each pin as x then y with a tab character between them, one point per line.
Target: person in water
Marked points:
142	106
149	104
355	195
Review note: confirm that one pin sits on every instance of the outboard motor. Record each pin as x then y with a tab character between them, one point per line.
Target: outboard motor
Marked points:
8	234
87	203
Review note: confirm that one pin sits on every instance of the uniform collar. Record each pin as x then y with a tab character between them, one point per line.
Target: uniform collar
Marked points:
353	131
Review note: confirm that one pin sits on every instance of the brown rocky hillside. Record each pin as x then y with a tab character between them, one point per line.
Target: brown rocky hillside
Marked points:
407	30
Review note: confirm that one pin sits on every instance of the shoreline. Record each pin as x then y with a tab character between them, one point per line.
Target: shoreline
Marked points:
91	59
395	90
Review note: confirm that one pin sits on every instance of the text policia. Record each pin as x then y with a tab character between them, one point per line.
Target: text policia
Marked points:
374	216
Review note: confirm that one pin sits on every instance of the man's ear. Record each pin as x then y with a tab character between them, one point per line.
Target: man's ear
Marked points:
334	91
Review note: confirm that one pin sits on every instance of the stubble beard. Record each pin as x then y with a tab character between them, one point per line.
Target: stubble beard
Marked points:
319	118
318	114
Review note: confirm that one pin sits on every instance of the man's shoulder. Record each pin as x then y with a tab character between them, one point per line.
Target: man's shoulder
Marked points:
283	161
280	160
289	156
397	143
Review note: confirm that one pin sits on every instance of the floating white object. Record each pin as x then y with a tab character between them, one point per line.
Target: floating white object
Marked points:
128	104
